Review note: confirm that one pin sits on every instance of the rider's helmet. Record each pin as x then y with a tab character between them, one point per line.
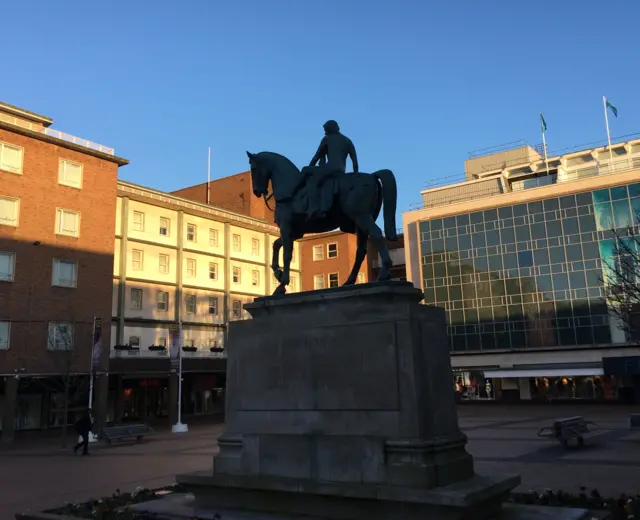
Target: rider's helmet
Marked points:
331	127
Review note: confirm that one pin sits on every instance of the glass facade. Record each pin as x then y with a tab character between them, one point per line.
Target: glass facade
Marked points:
527	275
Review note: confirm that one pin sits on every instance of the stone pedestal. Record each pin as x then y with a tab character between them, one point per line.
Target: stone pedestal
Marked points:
340	405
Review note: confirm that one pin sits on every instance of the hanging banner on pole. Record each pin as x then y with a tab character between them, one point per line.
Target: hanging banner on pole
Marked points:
174	352
96	351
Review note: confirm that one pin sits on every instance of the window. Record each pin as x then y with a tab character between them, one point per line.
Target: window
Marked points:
5	334
317	253
60	336
70	174
237	244
191	233
191	267
213	237
138	221
360	277
67	223
11	158
65	273
9	210
137	257
161	342
134	341
237	274
165	226
7	265
190	303
333	280
255	278
236	309
163	266
293	282
318	281
213	305
190	343
213	271
332	250
162	301
255	247
136	299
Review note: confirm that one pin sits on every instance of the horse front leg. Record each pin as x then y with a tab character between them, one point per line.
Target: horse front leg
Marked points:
287	243
275	260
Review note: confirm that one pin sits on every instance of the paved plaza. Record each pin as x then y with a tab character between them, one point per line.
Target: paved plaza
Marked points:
502	439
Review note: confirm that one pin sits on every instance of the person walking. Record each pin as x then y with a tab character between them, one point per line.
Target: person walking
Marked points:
83	427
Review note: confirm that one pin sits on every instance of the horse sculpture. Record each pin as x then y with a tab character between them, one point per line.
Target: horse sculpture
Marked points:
358	199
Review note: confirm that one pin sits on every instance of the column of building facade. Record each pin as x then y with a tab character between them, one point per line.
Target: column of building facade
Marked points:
122	292
267	264
227	280
174	376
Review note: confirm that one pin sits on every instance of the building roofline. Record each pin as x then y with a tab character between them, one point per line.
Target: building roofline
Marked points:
26	114
207	208
120	161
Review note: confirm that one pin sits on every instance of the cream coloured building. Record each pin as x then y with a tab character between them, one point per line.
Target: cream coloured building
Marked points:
179	262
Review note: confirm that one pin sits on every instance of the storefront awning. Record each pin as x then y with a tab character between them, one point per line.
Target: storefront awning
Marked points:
544	372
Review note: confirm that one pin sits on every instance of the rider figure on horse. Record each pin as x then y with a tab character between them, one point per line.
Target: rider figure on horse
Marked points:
335	147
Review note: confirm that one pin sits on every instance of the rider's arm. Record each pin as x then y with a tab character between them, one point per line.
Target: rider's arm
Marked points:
322	151
354	157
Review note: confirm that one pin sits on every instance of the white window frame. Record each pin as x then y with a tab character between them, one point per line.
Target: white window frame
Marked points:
214	306
213	270
255	247
139	261
5	325
194	238
166	227
10	275
191	343
20	149
238	270
213	237
331	254
236	243
162	301
293	282
55	279
190	298
16	219
255	277
60	213
191	267
164	269
61	174
237	314
318	282
137	300
337	282
134	341
318	253
52	342
361	278
137	222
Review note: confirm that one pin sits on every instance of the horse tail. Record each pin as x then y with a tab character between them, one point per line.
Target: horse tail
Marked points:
389	201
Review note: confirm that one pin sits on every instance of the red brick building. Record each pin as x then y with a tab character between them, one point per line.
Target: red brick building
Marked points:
57	209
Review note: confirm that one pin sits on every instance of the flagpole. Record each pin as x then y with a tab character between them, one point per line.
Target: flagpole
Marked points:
606	120
543	125
209	176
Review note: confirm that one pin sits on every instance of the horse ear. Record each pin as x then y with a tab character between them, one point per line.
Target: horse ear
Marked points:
249	155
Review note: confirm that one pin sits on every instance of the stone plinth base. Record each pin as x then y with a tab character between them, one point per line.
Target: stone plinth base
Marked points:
341	403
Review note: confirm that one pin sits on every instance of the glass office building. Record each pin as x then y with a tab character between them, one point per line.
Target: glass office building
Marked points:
527	275
519	254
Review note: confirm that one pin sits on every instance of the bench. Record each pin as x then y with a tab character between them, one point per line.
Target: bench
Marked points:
126	431
571	429
634	421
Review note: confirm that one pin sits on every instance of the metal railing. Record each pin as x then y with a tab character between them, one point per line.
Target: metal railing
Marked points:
144	353
35	127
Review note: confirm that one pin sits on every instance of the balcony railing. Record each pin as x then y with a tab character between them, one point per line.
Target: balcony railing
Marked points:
149	354
57	134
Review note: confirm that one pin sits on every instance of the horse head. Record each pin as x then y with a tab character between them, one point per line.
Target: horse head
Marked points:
269	166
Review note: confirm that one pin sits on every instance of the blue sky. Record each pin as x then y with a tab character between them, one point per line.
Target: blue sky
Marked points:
416	84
